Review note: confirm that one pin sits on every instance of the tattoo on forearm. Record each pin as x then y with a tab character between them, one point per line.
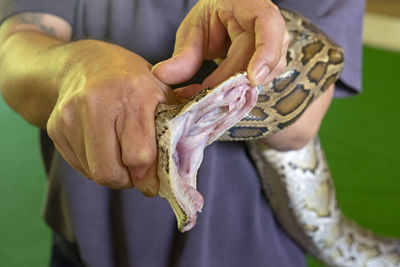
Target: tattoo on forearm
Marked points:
36	20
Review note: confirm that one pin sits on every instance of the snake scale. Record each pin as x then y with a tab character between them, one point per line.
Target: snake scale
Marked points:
297	183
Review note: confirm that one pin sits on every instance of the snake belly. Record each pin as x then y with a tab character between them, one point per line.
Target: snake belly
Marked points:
314	63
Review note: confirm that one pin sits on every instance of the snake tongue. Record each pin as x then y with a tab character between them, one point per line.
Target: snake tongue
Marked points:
184	132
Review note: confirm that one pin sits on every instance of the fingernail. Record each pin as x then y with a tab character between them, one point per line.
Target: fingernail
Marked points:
154	67
261	74
161	75
259	88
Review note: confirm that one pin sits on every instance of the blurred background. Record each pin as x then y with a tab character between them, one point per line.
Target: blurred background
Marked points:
360	136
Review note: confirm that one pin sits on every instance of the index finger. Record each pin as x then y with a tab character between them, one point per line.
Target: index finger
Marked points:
265	21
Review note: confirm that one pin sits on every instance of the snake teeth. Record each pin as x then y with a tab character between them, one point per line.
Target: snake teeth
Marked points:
183	133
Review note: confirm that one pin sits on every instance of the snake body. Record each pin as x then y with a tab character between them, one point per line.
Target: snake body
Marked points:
297	183
301	192
314	62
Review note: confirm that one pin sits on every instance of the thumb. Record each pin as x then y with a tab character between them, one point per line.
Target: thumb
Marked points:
187	57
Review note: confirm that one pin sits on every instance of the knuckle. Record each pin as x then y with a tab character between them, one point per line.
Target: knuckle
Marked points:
63	115
66	118
140	157
51	131
53	128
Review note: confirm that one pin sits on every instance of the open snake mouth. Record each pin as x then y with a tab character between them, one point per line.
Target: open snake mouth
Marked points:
200	122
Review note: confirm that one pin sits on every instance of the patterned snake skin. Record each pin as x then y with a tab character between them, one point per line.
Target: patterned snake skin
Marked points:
297	183
301	192
314	62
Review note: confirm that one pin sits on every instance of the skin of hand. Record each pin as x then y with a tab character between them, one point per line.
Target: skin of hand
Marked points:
239	35
248	35
103	120
97	101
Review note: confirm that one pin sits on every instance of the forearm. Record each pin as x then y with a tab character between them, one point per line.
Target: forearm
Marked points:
305	128
33	75
30	74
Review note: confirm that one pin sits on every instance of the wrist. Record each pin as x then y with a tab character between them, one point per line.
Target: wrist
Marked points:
28	89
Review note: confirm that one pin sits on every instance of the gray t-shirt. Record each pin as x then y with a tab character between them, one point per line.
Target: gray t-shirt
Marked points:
124	228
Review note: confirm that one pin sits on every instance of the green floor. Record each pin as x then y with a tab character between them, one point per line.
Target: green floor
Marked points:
360	136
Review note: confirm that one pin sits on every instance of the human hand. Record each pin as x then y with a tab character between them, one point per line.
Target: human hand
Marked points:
103	121
249	35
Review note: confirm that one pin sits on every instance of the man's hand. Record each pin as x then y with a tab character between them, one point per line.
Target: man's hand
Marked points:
249	35
96	99
103	121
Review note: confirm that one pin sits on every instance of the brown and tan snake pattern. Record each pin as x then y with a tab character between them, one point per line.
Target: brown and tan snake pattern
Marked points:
313	63
297	183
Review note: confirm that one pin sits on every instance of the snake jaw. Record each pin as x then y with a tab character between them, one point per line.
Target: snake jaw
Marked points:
183	133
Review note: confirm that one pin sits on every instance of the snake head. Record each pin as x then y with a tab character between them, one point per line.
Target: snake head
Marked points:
184	131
